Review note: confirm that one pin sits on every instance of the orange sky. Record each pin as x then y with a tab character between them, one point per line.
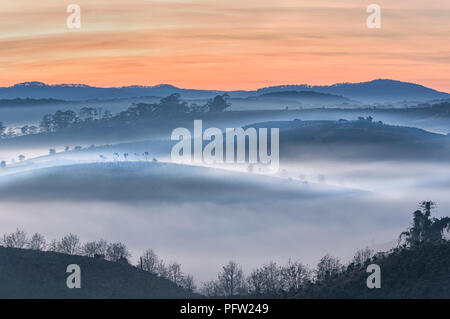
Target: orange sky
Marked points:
233	44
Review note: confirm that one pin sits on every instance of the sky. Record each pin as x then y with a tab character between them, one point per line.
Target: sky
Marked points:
228	45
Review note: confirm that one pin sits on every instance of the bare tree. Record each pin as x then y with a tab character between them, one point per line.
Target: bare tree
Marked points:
69	244
294	276
117	252
211	289
174	273
161	270
18	239
266	280
150	261
362	256
37	242
256	282
231	279
93	248
188	283
328	267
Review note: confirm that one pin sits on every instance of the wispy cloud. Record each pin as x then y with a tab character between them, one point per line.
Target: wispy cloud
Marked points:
229	45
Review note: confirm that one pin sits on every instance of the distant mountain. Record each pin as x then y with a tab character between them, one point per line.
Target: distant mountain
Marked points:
305	96
81	92
374	91
381	90
40	274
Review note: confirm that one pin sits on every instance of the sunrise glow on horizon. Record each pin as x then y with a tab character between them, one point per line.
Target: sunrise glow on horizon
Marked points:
230	45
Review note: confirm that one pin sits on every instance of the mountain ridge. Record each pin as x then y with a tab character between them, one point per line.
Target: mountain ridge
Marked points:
379	90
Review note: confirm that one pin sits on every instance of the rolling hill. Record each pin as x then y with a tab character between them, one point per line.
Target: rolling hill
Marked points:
38	274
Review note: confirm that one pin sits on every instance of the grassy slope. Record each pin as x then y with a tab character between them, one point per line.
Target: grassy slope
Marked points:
35	274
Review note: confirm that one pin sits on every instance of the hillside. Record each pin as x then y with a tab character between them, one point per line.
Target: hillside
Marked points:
360	139
147	181
421	272
37	274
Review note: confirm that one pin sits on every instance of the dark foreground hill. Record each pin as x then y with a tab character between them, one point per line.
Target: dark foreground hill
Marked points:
37	274
421	272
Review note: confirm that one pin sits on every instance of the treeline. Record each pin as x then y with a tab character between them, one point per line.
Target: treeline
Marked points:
101	249
278	281
269	281
295	278
170	106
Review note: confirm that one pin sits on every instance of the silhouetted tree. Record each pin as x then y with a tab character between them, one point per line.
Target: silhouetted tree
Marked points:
149	261
188	283
219	103
231	279
424	228
294	276
46	124
362	256
37	242
18	239
2	129
328	267
69	244
93	248
174	273
117	252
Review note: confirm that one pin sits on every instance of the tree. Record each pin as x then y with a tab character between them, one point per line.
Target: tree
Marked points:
256	282
52	151
161	270
3	164
88	114
328	267
117	252
46	124
18	239
294	276
171	105
69	244
107	115
149	261
188	283
425	229
37	242
175	274
63	119
93	248
21	157
219	103
362	256
2	129
271	278
28	129
211	289
231	279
